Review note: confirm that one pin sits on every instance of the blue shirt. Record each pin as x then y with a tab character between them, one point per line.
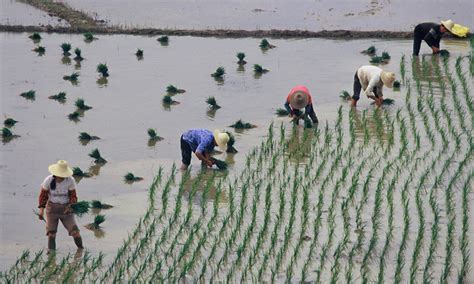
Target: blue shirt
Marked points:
200	140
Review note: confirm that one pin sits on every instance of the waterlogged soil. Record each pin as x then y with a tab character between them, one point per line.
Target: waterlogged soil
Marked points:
400	15
129	102
17	13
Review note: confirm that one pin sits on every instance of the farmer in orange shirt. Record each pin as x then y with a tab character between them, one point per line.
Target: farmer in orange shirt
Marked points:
297	99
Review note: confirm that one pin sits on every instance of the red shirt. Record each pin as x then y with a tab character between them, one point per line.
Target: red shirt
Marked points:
302	89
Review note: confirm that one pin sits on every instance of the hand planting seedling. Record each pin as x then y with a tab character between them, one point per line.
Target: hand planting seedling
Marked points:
9	122
308	123
241	56
36	37
98	219
282	112
220	71
80	208
444	53
345	96
80	104
78	56
72	78
66	47
221	165
212	103
258	69
30	95
130	178
139	53
103	69
40	50
77	172
264	44
167	100
96	204
60	97
84	136
230	143
370	51
387	102
88	37
174	90
95	154
74	116
239	124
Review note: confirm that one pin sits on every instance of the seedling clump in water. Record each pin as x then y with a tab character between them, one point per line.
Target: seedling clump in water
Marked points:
9	122
66	47
129	178
30	95
80	104
163	40
99	219
78	56
385	56
139	53
88	37
370	51
345	96
212	103
40	50
259	69
74	116
153	135
239	124
241	57
220	71
103	69
36	37
87	137
95	154
77	172
80	208
171	89
60	97
6	133
281	112
167	100
264	44
221	165
96	204
386	102
72	78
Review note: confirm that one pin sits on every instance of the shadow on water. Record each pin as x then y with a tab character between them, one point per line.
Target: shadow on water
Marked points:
66	60
102	82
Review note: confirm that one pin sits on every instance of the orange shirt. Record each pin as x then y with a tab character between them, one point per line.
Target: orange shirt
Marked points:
302	89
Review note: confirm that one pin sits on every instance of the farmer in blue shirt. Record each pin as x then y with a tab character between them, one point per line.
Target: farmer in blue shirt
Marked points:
201	142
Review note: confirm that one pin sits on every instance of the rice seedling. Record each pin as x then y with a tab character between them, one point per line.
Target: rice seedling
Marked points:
172	90
74	116
212	103
129	177
258	69
219	73
98	220
96	204
9	122
164	40
95	154
386	102
78	56
396	85
265	44
282	112
89	37
77	172
80	208
36	37
87	137
241	56
385	56
60	97
376	60
402	68
153	135
221	165
80	104
72	78
231	143
41	50
167	100
345	96
139	53
103	69
239	124
444	53
66	47
30	95
370	50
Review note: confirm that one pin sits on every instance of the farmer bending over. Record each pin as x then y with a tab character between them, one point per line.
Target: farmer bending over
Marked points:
431	33
58	192
201	142
371	79
297	99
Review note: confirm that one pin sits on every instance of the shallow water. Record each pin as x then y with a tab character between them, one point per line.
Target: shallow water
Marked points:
16	13
130	103
396	15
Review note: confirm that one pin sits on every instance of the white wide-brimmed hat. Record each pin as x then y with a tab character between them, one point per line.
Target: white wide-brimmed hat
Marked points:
221	139
60	169
448	24
387	78
299	99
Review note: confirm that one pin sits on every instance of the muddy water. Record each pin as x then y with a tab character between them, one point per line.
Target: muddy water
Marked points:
129	103
399	15
16	13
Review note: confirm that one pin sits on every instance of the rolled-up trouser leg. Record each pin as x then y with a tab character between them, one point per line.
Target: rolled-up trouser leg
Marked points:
357	88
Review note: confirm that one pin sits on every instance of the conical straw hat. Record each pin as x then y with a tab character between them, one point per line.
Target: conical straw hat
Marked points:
60	169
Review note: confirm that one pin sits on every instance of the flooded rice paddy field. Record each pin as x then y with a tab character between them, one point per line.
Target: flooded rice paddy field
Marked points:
367	195
277	14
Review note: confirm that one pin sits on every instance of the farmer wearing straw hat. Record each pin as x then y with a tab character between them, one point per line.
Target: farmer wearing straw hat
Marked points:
371	79
299	98
202	143
58	192
431	33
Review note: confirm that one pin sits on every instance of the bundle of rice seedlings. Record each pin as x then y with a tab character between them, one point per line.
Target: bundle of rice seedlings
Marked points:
230	143
444	52
74	116
345	95
241	56
103	69
167	100
371	50
80	104
396	85
220	71
6	133
98	219
376	60
153	135
87	137
40	50
259	69
9	122
88	37
239	124
73	77
212	103
385	56
139	53
78	56
35	37
281	112
80	208
96	204
60	97
221	165
163	39
129	177
30	95
77	172
95	154
308	123
66	47
171	89
264	44
386	102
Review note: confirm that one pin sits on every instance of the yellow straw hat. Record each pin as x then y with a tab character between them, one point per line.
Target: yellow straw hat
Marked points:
299	100
448	24
387	78
60	169
221	139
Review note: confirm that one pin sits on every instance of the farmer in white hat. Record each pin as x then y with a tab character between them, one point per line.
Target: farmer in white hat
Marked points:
371	79
202	143
431	33
299	98
58	192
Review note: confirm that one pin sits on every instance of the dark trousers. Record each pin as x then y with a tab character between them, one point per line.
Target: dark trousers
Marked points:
185	152
358	88
417	39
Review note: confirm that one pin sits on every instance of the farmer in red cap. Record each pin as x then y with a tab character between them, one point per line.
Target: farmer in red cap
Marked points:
297	99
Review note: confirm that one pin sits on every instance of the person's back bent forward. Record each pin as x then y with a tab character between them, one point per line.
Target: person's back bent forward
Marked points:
202	143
